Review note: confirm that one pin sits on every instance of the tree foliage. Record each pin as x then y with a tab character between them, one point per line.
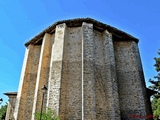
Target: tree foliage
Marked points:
48	114
3	111
156	87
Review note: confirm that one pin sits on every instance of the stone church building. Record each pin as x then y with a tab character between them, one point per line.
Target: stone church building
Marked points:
92	71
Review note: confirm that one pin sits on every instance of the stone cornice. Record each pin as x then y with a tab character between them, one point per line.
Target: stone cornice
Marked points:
10	93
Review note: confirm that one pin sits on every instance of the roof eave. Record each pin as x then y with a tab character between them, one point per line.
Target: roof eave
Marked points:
78	22
10	93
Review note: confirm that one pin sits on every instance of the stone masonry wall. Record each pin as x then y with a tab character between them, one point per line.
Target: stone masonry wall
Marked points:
10	107
55	76
26	99
43	73
130	79
107	100
90	75
71	95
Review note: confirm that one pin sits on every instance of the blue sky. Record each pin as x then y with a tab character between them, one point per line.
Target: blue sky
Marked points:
20	20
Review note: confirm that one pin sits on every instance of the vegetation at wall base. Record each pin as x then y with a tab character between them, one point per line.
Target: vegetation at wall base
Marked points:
3	111
156	87
48	114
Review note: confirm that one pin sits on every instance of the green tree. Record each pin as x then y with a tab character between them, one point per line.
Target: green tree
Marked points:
3	111
156	87
48	114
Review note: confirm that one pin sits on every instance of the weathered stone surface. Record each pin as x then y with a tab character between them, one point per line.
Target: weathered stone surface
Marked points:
11	105
43	73
71	87
54	83
130	79
88	73
26	96
106	79
92	72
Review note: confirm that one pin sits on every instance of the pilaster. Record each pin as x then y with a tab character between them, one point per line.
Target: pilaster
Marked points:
55	75
111	88
145	103
27	85
26	56
21	83
88	76
10	105
43	73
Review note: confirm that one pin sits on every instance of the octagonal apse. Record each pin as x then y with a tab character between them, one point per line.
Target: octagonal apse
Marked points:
92	71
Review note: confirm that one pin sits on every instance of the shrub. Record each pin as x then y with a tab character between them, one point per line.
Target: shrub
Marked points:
48	114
